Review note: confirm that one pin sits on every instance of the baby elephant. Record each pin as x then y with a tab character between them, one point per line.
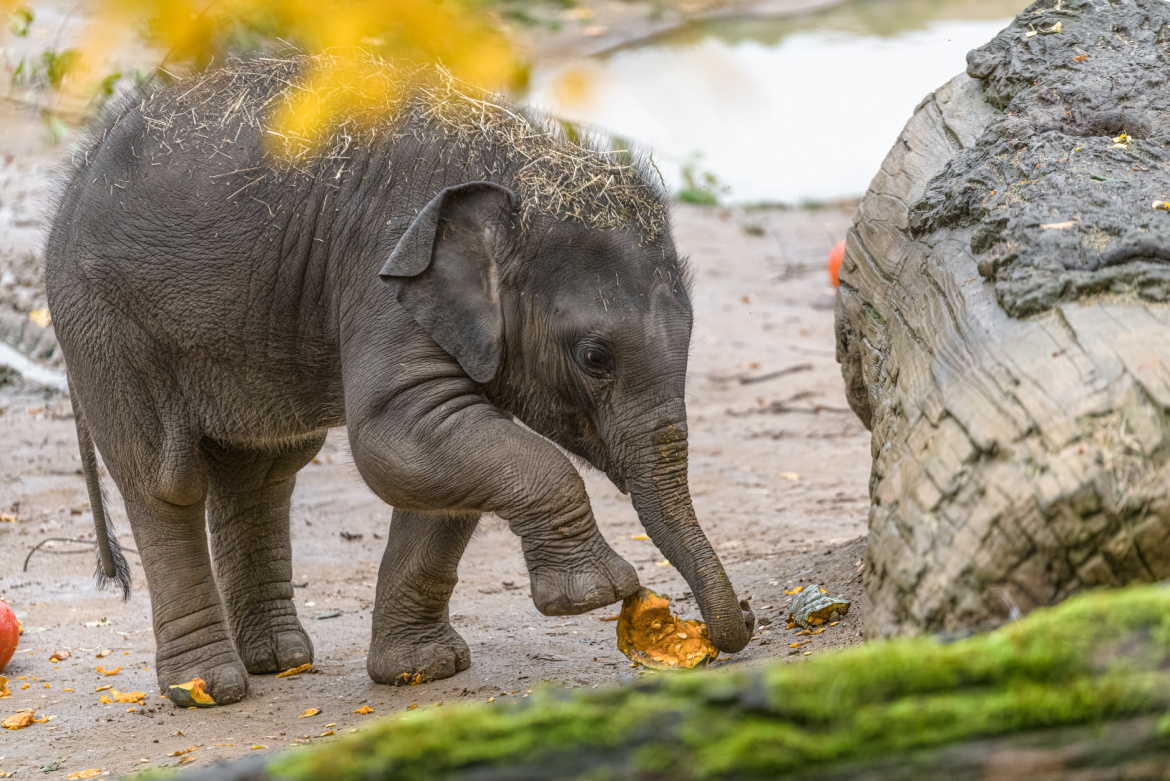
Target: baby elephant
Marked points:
430	273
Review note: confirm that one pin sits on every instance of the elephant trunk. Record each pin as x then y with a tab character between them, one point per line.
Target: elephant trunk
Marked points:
661	495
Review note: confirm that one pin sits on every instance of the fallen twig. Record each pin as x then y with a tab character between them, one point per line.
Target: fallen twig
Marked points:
78	540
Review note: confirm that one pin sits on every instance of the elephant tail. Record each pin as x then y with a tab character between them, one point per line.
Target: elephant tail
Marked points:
112	570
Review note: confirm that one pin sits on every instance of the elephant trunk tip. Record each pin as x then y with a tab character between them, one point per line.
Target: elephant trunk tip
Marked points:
732	635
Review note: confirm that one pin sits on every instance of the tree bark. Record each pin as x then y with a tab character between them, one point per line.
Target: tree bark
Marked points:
1002	330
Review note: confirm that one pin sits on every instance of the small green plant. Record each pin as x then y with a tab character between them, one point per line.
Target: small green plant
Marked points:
19	22
700	187
59	65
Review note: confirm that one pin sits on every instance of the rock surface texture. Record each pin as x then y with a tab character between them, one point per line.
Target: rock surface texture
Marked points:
1003	327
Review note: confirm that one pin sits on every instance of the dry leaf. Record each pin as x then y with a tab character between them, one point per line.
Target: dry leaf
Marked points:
91	773
1058	226
328	732
181	752
664	563
187	760
1162	206
4	687
59	655
639	537
41	317
364	710
102	654
7	518
295	670
796	590
309	712
651	635
104	671
1080	58
190	694
791	476
105	699
258	746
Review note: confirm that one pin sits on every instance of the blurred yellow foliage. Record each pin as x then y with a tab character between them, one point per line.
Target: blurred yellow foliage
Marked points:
455	34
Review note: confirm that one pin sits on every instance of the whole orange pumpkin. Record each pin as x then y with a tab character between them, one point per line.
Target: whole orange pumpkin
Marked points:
9	634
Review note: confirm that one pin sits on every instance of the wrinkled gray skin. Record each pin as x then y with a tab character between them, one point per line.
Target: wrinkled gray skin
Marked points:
213	338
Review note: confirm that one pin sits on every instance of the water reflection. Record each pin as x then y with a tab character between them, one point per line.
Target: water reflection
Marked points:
782	110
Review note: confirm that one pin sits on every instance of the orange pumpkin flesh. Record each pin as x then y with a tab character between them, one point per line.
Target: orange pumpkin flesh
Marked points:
651	635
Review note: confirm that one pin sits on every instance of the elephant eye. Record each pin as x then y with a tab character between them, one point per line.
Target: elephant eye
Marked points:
595	359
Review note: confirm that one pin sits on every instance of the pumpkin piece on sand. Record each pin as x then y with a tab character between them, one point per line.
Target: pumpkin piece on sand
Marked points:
191	694
653	636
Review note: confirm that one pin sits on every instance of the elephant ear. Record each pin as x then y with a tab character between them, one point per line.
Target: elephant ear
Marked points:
444	272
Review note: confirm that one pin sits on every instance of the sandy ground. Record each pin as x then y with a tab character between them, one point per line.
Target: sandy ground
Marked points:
779	472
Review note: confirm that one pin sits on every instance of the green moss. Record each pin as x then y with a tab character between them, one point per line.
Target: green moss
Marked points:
1099	657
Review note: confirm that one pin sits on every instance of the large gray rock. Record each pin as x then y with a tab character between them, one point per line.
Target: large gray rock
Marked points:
1002	325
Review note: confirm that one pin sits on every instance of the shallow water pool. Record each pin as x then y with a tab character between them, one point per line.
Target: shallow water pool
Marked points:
786	110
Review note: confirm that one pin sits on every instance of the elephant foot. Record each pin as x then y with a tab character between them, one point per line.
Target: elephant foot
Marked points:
224	676
568	589
408	655
274	649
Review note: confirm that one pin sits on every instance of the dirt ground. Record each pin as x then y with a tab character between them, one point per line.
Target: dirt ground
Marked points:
779	472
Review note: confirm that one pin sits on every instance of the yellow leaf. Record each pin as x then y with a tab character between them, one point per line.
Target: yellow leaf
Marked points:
364	710
1162	206
41	317
295	670
105	699
104	671
639	537
91	773
257	746
309	712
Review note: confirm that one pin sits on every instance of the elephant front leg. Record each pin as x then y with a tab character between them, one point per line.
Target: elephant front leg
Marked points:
413	640
479	461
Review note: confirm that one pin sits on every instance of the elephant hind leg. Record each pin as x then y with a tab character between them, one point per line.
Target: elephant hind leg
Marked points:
249	497
413	640
191	634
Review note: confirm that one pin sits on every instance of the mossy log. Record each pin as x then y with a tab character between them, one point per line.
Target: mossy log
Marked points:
1081	691
1003	329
